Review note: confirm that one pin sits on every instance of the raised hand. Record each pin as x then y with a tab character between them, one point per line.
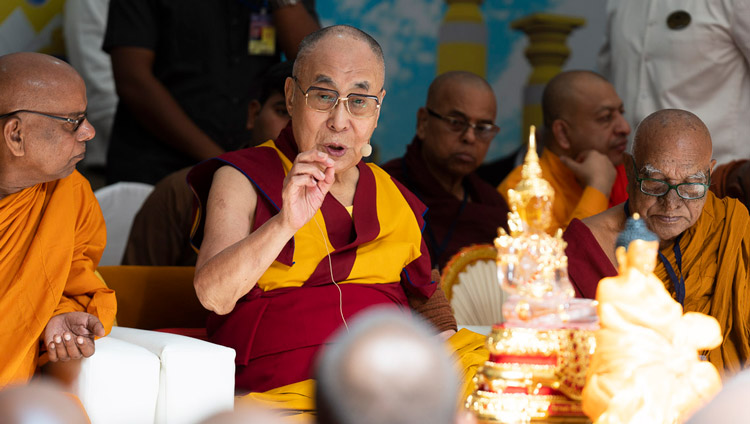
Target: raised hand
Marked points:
305	187
71	335
594	169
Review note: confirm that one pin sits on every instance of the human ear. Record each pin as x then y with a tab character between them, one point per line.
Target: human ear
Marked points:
13	137
560	133
253	110
289	94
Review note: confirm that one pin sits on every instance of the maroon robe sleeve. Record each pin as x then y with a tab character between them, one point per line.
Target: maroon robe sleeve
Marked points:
587	262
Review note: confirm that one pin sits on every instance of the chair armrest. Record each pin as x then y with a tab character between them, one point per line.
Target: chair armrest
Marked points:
197	377
119	383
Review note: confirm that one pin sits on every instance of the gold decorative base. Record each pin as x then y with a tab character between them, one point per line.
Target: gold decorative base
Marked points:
517	408
533	376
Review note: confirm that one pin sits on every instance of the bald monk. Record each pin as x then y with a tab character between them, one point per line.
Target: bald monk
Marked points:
40	402
388	368
51	228
704	242
298	235
454	130
584	138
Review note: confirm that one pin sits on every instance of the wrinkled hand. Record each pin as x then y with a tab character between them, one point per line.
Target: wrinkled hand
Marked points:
71	336
594	169
306	186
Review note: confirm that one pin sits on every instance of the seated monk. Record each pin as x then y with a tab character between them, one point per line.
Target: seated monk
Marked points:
703	241
51	228
584	138
298	234
454	132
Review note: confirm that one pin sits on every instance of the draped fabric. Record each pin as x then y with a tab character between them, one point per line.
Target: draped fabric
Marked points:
715	261
52	236
468	349
571	200
587	262
377	256
451	223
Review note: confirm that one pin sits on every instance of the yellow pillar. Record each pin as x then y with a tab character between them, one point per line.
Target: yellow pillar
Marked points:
547	52
462	39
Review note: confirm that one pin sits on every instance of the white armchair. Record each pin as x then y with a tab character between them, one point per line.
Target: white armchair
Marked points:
140	376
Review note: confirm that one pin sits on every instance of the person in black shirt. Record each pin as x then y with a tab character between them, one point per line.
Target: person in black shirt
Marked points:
184	73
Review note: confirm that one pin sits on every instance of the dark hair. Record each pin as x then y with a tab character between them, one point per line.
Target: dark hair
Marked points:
273	80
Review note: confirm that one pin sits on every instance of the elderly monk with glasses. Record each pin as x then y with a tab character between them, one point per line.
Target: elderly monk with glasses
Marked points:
704	241
584	137
298	235
52	232
454	131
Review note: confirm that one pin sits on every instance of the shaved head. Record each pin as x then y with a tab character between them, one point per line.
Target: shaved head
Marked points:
563	91
455	78
672	131
44	130
39	402
389	368
33	80
673	146
309	43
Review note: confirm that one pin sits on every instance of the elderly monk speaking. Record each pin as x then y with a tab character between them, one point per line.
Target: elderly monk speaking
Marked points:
299	234
51	228
584	135
704	241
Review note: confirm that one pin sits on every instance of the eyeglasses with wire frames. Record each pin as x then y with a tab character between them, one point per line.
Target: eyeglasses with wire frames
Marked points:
483	131
76	123
659	188
324	100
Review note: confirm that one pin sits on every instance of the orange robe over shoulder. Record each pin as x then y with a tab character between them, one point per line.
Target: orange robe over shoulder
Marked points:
52	236
571	200
716	265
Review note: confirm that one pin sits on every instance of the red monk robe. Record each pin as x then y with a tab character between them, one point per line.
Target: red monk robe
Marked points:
715	265
52	236
571	200
451	222
377	253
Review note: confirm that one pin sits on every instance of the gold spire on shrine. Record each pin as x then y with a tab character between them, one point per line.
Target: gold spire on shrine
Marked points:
531	200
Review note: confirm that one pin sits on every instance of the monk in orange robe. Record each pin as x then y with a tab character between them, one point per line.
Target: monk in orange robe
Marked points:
584	138
51	228
704	241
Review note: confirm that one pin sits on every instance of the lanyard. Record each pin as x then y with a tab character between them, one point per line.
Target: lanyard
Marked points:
679	283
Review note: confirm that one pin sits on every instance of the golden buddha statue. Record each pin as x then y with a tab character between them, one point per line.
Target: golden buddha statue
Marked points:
532	266
646	366
538	357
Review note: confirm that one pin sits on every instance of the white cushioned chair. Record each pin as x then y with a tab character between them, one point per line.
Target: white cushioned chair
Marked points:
120	202
140	376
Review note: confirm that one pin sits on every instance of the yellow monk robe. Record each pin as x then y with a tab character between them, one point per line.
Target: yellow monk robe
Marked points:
715	261
469	351
571	200
52	236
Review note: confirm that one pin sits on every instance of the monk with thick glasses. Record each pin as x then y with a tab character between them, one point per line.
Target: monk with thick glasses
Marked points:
704	241
52	232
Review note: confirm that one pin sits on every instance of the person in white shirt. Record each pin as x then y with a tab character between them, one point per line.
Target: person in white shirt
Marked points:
684	54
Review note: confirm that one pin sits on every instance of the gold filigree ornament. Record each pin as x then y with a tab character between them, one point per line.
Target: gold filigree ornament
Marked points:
540	354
